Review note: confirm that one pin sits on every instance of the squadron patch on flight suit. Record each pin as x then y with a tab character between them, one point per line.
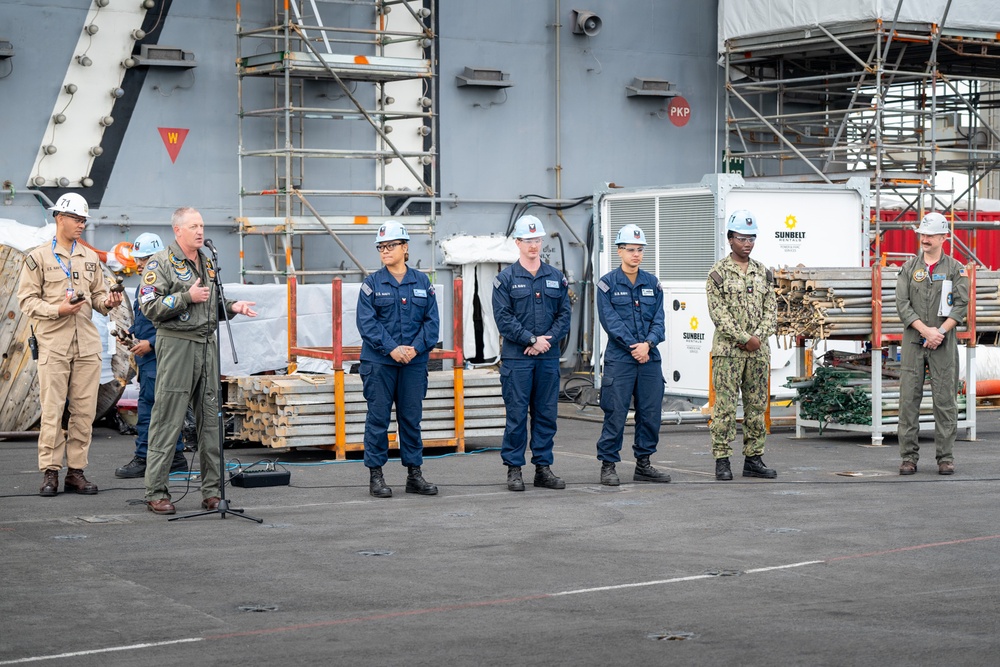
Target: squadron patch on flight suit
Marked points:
184	317
169	301
149	277
920	275
152	264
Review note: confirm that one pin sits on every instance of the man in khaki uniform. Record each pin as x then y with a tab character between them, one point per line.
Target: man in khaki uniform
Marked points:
743	307
178	296
69	346
929	343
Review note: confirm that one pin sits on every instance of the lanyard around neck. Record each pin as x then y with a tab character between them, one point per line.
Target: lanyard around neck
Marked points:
68	270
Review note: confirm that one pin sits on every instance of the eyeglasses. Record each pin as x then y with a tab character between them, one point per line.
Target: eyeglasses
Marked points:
75	218
386	247
534	241
634	251
744	239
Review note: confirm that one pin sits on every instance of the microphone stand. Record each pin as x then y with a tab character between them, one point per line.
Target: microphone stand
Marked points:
220	304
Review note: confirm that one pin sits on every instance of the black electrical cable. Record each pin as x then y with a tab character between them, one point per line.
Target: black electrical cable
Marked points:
586	283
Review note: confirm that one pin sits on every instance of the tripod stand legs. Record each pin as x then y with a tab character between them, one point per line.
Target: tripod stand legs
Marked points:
223	509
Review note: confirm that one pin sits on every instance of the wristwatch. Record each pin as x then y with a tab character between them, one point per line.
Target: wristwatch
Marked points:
942	331
532	340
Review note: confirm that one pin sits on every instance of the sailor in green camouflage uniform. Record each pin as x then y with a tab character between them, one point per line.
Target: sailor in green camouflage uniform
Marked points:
743	307
178	296
929	343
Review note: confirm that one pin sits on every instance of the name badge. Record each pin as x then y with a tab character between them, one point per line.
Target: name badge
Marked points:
647	292
419	292
554	284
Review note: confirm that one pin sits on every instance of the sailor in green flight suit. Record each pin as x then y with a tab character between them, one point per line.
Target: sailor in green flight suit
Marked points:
932	298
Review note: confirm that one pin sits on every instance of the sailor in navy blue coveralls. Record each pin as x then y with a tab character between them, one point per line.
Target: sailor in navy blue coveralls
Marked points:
532	311
145	360
397	317
630	307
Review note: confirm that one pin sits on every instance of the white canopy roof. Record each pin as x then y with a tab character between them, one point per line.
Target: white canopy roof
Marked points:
747	18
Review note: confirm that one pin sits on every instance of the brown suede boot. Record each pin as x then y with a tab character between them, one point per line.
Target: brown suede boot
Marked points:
50	484
77	483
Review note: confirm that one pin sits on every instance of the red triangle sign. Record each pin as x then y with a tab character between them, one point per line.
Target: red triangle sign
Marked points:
173	139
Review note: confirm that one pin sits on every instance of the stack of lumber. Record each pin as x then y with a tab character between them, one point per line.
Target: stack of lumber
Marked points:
825	303
298	410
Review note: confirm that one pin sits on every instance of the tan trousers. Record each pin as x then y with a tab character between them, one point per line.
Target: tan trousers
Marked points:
60	378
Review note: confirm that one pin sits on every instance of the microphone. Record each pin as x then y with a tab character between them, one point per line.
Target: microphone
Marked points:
211	246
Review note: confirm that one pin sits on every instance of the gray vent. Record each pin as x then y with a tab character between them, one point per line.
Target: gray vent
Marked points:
640	212
687	238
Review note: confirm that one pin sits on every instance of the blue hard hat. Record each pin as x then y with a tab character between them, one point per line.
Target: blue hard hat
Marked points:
528	227
391	231
630	234
146	244
742	221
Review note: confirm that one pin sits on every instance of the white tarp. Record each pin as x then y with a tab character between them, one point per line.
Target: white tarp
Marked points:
262	341
746	18
24	237
481	258
461	250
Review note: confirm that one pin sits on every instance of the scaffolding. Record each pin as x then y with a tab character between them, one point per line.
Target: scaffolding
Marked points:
306	81
898	101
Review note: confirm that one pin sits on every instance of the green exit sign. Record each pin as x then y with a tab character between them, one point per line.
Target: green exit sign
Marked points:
734	165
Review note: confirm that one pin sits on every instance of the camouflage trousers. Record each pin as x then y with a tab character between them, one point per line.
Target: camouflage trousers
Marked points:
731	377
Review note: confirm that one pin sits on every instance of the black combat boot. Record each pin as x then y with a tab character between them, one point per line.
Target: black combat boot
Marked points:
545	477
514	481
644	472
178	463
50	484
75	482
415	483
608	475
377	486
134	468
753	466
723	472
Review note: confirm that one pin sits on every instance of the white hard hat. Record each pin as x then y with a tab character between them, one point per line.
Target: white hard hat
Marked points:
630	234
933	224
72	203
146	244
391	231
741	221
528	227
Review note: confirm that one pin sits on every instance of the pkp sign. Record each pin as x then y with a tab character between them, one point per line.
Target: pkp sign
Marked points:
679	111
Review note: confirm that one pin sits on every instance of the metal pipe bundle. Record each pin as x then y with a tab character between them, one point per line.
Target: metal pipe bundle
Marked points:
831	303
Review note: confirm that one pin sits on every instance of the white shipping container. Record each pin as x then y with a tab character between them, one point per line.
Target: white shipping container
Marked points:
813	225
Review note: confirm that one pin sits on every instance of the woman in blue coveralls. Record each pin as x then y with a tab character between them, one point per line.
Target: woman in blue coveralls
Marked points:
398	322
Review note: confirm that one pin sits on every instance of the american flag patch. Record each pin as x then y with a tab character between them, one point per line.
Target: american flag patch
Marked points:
366	288
496	283
603	286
